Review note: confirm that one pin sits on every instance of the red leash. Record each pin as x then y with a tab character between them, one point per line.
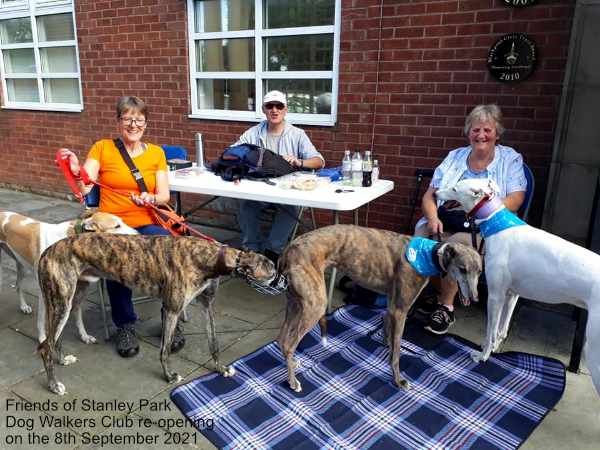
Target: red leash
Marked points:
171	216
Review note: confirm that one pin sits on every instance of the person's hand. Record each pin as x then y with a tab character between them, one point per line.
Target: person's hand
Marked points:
143	199
435	226
293	161
65	153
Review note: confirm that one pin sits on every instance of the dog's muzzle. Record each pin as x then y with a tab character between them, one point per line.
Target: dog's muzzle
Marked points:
273	286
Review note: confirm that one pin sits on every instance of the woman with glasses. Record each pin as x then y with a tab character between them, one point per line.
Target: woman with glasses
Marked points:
106	165
292	143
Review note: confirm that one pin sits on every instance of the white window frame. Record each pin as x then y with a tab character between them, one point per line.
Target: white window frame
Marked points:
33	10
258	75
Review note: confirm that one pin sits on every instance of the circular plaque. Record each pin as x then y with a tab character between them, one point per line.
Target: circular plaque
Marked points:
512	58
519	3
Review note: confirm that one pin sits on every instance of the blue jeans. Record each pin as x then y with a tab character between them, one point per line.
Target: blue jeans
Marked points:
121	305
281	228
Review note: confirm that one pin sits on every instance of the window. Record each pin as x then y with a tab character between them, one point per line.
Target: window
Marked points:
38	55
241	49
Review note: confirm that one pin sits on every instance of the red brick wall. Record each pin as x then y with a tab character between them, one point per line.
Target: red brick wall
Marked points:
412	103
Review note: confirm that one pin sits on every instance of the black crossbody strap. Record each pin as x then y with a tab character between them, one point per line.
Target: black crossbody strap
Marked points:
137	175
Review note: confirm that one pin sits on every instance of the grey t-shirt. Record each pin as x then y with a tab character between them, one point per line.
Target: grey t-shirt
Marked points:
272	142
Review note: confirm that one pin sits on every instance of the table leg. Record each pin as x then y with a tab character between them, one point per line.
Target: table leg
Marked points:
581	320
336	220
178	203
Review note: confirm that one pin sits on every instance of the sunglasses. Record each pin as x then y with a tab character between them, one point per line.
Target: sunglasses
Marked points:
279	106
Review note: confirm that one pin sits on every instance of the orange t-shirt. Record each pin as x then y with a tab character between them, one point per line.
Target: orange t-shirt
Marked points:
115	173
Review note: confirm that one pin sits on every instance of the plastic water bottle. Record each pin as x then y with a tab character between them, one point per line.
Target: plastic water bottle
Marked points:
347	169
199	152
357	169
375	173
367	169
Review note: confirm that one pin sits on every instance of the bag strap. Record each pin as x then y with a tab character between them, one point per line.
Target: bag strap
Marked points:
137	175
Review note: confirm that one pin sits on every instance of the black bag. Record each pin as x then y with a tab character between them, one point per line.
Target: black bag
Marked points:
453	220
250	161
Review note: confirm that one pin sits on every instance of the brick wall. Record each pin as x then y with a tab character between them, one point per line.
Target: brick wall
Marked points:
404	88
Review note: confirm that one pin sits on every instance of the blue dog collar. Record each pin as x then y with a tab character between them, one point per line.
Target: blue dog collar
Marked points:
500	221
421	254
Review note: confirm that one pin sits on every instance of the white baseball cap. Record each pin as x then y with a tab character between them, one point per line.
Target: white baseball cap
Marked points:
275	96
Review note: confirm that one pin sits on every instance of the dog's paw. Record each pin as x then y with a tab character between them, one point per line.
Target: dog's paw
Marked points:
229	371
88	339
68	360
174	378
324	341
26	309
57	387
478	356
403	384
296	386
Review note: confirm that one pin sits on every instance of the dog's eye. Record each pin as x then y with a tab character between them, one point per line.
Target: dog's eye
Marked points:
462	270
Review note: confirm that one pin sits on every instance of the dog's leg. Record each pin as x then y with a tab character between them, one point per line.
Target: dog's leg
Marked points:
80	293
61	358
25	308
495	302
592	355
46	352
168	328
213	343
387	329
506	316
41	318
323	327
207	298
405	290
306	304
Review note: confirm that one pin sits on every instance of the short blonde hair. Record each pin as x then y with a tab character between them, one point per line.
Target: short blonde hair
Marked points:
485	112
131	103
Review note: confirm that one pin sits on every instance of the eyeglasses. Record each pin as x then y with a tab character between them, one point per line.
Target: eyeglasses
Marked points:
279	106
128	121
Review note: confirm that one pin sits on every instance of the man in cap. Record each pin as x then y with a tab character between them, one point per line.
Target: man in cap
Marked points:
292	143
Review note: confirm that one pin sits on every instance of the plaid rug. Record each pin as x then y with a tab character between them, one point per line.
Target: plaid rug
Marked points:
349	400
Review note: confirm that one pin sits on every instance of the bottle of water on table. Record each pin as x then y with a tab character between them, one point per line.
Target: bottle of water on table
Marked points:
347	169
375	173
357	169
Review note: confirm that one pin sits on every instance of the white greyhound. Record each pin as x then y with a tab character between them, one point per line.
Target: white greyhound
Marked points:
521	260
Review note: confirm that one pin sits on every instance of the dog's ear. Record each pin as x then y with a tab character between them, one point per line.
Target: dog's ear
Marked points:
448	255
86	213
90	225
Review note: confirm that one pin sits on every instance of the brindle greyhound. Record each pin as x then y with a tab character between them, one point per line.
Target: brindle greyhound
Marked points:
374	259
175	269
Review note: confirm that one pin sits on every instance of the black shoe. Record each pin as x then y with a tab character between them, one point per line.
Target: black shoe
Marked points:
126	341
440	320
273	256
178	341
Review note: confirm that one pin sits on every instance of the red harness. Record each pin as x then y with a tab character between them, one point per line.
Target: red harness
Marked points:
165	216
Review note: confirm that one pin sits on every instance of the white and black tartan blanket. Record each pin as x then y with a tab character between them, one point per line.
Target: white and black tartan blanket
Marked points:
349	400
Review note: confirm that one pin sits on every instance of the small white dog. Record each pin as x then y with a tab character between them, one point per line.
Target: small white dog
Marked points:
521	260
25	239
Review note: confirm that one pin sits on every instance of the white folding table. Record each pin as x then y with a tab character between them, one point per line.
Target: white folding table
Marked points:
323	197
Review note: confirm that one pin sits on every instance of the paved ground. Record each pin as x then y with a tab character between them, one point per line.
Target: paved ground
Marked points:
246	321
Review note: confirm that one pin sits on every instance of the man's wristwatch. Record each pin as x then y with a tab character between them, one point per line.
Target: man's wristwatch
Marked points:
302	164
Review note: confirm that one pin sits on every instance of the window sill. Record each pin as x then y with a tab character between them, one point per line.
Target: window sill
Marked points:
296	119
62	108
